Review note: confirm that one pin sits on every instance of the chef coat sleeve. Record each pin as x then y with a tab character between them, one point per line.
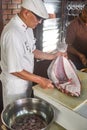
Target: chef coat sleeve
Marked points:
14	52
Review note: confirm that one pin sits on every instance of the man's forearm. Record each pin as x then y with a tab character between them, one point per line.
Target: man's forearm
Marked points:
43	55
25	75
73	51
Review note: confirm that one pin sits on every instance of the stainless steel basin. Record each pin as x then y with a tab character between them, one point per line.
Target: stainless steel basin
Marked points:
27	106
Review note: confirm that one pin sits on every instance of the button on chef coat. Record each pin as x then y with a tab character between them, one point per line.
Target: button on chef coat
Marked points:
17	45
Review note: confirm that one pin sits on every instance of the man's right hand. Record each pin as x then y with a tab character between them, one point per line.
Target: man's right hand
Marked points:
46	83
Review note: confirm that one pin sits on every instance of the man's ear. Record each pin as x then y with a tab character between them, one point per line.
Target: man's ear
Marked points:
25	13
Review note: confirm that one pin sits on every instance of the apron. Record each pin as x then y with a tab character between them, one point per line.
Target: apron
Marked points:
15	88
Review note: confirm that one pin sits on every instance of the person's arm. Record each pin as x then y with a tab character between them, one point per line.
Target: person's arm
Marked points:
81	56
43	82
70	37
72	50
47	56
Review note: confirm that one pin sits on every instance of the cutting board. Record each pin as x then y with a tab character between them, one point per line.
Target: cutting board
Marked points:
66	100
65	107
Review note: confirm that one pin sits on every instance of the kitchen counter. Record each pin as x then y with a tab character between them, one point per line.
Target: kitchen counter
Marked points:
55	126
68	101
65	105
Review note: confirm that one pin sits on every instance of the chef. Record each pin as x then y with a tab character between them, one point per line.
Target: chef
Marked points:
18	51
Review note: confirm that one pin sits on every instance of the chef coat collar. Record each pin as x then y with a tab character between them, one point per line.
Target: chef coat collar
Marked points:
21	23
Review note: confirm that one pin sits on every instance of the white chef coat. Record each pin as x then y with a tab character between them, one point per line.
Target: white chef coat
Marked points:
17	45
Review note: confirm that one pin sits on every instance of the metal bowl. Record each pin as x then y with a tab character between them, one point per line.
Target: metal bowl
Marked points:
28	106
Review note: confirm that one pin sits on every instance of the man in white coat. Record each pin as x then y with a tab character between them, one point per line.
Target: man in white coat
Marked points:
18	51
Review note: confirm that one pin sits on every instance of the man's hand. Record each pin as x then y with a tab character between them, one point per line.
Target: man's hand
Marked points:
46	83
83	59
61	54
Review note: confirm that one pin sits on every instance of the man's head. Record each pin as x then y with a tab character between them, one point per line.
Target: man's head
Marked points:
33	11
84	14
